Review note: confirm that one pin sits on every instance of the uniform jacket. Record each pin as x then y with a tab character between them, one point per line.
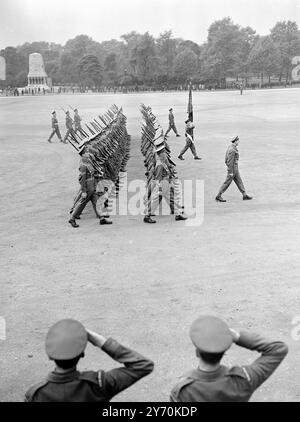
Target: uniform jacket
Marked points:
77	119
189	128
93	386
171	118
235	384
87	179
232	157
54	122
69	122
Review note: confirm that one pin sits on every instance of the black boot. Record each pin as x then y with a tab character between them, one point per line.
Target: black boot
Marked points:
73	223
220	199
181	157
180	217
148	219
247	197
104	221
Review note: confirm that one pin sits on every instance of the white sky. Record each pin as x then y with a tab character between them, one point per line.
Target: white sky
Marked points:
60	20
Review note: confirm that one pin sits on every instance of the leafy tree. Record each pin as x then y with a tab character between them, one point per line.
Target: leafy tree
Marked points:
264	57
90	71
185	65
286	37
166	52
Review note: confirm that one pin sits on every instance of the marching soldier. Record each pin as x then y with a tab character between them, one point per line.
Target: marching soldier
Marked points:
69	126
233	174
77	121
88	180
213	382
171	124
66	342
163	185
55	128
189	140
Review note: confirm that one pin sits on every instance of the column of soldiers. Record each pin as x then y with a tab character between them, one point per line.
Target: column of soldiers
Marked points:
162	180
104	156
72	125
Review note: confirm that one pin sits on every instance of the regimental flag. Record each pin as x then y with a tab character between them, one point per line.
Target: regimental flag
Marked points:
190	103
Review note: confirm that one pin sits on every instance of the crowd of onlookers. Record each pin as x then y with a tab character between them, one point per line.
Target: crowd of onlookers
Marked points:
14	91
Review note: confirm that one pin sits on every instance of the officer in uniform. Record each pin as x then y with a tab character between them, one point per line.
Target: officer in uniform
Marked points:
233	174
88	180
189	127
65	344
213	382
55	128
171	124
77	122
69	126
162	186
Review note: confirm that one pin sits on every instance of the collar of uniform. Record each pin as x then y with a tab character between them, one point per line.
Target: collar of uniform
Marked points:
200	375
61	378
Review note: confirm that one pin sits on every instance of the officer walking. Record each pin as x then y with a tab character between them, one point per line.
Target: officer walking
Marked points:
66	342
189	127
55	128
77	121
213	382
171	124
88	180
233	174
69	126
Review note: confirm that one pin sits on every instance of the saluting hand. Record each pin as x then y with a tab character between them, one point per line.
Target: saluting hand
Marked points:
235	334
96	339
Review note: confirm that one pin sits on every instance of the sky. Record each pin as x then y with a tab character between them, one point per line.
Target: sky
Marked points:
59	20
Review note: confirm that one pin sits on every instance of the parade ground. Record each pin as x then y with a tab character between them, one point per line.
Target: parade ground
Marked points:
144	284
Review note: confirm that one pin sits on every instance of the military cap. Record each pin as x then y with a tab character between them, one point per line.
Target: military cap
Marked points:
67	112
66	340
53	112
75	109
235	139
210	334
170	109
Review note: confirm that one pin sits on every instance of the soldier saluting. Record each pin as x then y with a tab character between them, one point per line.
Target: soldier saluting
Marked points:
233	174
213	382
66	342
55	128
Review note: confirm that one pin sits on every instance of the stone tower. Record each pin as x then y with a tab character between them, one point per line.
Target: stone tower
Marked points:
37	76
2	69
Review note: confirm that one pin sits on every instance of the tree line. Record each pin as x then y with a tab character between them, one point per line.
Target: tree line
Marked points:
230	51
